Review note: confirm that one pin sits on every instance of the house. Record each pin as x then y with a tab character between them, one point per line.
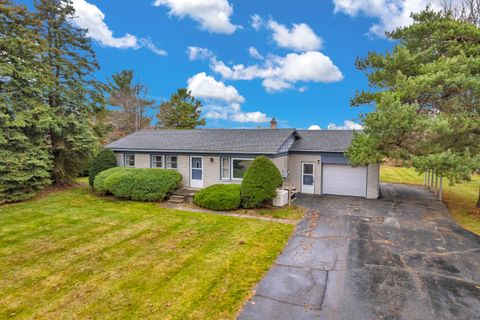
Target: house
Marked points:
312	161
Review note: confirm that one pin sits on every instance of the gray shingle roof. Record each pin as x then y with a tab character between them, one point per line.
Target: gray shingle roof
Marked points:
323	140
266	141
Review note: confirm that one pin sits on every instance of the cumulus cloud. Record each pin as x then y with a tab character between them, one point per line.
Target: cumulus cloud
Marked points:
347	125
206	87
300	37
253	52
212	15
221	101
198	53
314	127
256	21
391	14
280	73
90	17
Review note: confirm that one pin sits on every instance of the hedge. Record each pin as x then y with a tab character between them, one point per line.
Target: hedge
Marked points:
105	160
219	197
260	183
137	184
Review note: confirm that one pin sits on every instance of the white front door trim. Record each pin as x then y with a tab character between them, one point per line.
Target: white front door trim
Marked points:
308	188
195	182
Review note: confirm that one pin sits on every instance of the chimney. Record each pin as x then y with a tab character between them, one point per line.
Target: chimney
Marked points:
273	124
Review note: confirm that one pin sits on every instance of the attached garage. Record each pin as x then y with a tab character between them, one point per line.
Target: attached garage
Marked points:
342	179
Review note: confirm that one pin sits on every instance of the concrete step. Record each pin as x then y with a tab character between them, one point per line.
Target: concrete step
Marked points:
175	201
185	192
177	197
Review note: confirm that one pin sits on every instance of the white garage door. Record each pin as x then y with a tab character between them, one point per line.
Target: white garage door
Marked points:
342	179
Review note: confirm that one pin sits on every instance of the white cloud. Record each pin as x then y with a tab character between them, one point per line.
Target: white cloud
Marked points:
222	101
390	13
314	127
276	84
300	37
254	53
90	17
196	53
256	21
147	43
206	87
283	72
347	125
212	15
255	117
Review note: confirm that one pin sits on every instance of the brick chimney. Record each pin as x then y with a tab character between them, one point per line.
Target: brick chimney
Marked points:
273	124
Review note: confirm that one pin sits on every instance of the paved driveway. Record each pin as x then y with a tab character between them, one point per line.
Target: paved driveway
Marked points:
400	257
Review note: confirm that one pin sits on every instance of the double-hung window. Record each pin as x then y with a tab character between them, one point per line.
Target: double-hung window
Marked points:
172	162
239	167
129	160
225	169
157	161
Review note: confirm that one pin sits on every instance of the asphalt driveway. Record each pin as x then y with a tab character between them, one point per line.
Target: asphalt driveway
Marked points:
400	257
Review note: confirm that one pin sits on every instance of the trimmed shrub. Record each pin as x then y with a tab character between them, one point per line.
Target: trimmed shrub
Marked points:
260	183
138	184
105	160
219	197
99	183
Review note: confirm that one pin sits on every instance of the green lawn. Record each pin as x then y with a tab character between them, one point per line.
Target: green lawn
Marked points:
71	255
460	198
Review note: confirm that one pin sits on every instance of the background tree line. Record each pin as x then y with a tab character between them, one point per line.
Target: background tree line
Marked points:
53	114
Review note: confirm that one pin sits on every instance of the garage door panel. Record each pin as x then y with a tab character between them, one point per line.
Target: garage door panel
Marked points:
341	179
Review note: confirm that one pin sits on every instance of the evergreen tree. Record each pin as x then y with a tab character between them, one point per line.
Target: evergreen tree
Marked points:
427	98
24	114
182	111
74	94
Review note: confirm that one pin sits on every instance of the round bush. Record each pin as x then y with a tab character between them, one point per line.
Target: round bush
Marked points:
219	197
260	183
137	184
99	182
105	160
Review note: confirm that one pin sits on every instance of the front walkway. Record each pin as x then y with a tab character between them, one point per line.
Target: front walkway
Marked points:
400	257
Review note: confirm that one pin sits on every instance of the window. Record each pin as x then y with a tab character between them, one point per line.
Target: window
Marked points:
240	166
129	160
225	169
157	161
171	162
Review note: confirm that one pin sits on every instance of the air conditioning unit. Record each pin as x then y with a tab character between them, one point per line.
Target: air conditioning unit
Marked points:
281	199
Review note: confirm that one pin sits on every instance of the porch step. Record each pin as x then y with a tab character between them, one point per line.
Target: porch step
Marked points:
187	192
176	199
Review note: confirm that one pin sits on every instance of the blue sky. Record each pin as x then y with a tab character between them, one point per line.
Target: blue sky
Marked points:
247	60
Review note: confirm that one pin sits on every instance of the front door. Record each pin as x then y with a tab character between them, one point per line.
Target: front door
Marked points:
308	177
196	174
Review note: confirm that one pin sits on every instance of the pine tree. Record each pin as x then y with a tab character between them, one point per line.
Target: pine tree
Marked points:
182	111
427	110
74	94
24	114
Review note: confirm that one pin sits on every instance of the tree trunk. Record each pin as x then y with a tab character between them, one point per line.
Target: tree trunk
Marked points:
478	200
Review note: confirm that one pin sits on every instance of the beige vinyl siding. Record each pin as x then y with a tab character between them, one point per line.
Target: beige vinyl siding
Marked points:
373	176
295	170
142	160
120	158
281	162
183	163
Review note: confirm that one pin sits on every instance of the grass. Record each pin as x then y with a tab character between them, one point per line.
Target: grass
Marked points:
289	213
460	199
71	254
